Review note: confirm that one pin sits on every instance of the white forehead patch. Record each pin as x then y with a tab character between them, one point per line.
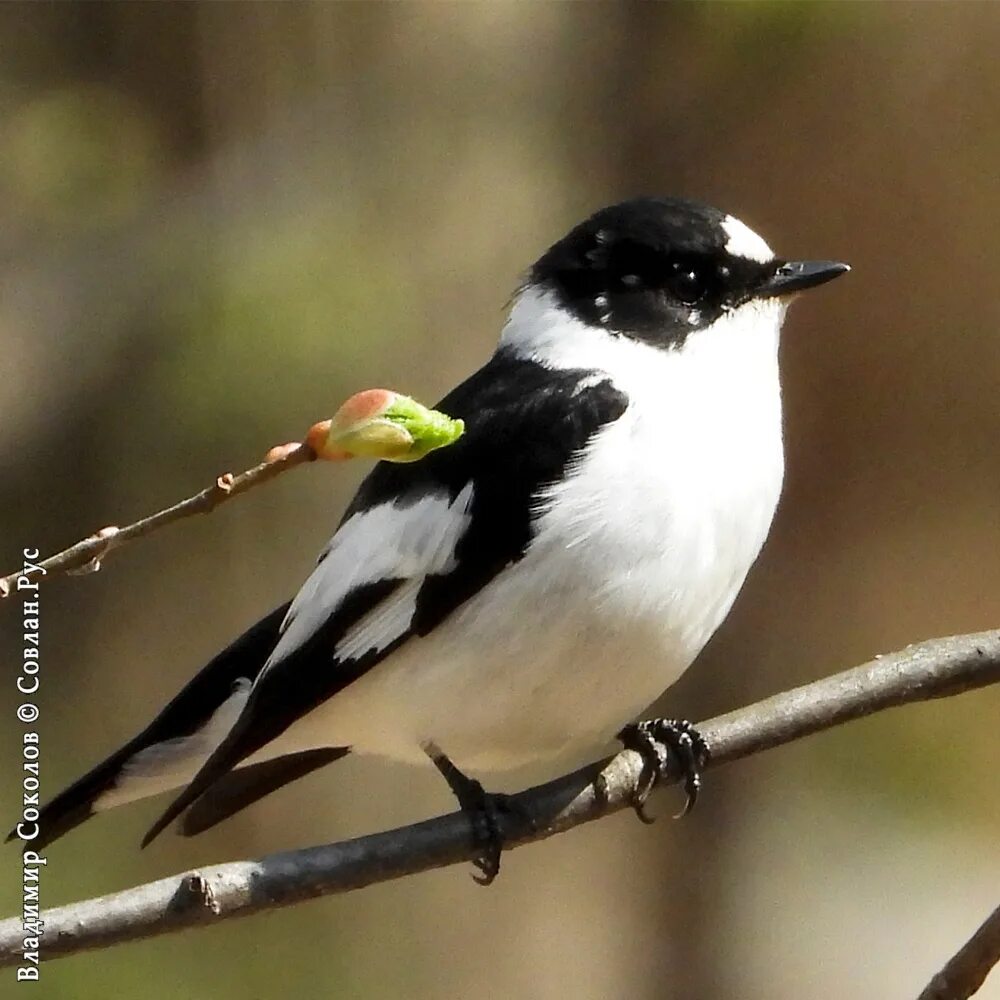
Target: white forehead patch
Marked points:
744	242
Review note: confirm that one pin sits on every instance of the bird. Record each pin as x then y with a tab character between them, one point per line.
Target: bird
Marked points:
523	594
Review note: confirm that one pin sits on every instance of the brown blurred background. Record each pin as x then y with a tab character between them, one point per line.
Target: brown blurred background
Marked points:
216	221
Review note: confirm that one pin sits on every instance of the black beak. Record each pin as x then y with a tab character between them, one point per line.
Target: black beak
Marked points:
797	275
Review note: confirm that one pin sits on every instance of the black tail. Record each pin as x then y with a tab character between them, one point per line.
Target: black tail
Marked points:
187	713
244	786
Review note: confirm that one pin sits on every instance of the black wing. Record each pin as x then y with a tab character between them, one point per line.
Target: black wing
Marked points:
523	424
184	715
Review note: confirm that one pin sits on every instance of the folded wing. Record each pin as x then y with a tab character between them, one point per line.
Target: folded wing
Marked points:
417	542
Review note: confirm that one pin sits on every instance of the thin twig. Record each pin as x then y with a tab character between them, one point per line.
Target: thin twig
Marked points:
968	968
935	669
86	555
373	423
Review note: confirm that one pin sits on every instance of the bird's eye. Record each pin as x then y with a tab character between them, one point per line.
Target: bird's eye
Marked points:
686	283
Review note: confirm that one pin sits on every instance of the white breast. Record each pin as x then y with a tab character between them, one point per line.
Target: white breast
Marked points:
673	501
636	559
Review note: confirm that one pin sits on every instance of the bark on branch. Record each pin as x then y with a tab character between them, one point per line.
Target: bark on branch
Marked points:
967	970
935	669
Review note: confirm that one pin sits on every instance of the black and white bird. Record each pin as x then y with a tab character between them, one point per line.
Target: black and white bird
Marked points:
524	593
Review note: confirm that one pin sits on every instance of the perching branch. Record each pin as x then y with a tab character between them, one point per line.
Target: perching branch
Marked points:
938	668
375	423
967	970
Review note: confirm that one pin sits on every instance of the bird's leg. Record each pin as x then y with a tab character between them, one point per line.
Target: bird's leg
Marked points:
654	741
483	809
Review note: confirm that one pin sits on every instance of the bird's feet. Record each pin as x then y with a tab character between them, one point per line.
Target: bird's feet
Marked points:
485	811
654	741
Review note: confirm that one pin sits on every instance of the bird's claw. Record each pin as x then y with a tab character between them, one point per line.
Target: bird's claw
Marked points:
484	811
487	835
654	741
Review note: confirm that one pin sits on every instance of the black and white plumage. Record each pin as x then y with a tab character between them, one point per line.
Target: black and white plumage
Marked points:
525	592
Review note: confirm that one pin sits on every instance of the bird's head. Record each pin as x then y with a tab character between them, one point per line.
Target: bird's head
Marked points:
659	269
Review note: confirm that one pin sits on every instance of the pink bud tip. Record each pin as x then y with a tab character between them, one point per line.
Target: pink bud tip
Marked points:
362	406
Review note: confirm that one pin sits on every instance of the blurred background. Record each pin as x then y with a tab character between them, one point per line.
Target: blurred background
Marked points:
217	221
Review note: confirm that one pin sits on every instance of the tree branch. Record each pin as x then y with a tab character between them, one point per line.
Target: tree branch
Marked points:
373	423
86	555
967	970
935	669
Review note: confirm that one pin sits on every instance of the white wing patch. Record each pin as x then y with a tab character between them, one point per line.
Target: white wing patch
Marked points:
175	762
394	541
387	621
744	242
